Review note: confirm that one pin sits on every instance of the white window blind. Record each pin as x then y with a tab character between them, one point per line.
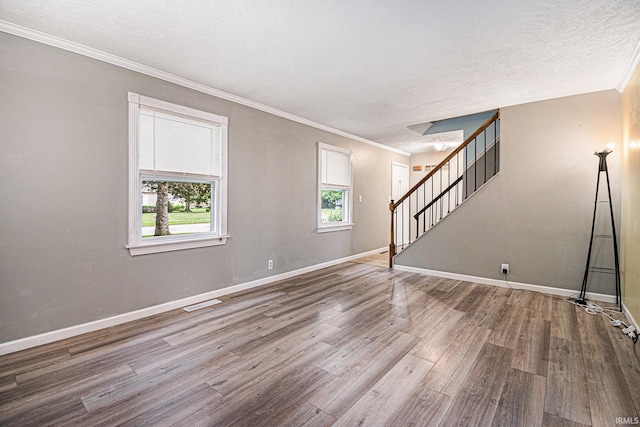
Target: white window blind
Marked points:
336	168
171	143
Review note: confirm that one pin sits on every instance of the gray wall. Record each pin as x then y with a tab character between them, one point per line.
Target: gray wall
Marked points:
536	214
63	151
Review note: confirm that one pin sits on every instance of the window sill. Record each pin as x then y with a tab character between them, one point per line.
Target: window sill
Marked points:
175	245
331	228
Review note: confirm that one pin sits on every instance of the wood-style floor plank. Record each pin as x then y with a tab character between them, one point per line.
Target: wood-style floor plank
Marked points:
532	350
450	371
628	357
247	368
474	299
149	329
25	358
424	408
7	383
522	400
274	391
564	323
489	308
358	381
566	392
354	353
215	328
176	355
476	402
185	403
66	408
507	332
550	420
19	407
446	331
163	394
17	366
352	344
609	396
305	415
134	385
388	395
287	402
423	320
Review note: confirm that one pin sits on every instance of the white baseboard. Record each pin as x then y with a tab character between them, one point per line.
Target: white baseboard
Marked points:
502	283
630	318
72	331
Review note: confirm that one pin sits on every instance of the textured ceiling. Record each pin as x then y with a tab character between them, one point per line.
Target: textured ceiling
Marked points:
370	68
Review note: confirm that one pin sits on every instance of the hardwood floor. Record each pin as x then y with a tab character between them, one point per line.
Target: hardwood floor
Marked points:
354	344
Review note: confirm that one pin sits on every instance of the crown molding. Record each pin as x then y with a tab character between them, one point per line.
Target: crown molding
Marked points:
38	36
633	63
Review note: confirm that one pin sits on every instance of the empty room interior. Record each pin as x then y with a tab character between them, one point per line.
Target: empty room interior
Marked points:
291	213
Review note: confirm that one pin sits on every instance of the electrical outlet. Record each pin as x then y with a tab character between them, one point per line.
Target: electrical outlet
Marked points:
270	264
505	268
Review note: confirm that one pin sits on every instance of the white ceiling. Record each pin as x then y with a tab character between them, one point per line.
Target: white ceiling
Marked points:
369	68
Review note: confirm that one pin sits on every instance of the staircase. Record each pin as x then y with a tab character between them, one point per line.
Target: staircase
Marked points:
442	190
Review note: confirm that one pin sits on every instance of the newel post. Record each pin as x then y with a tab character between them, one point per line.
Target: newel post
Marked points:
392	245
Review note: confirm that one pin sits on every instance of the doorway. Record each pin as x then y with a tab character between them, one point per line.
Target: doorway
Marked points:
399	186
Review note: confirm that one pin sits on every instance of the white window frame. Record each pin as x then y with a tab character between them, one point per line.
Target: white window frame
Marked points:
138	246
347	211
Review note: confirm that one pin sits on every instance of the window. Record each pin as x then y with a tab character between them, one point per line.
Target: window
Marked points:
177	177
334	188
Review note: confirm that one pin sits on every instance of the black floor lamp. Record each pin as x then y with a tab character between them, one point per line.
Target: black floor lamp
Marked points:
602	167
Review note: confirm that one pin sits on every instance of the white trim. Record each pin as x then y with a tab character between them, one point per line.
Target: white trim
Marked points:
134	213
27	33
501	283
630	317
347	211
399	164
72	331
633	63
330	228
222	189
170	107
135	243
335	148
175	245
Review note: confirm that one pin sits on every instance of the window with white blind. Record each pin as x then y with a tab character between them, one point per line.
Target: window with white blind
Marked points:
177	177
334	188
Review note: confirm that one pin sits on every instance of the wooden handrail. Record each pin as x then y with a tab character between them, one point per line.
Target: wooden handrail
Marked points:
485	125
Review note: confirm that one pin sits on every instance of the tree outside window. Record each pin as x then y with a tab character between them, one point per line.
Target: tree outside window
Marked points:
332	205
